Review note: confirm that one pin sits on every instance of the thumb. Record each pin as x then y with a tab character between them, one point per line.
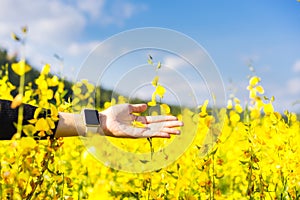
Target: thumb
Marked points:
137	108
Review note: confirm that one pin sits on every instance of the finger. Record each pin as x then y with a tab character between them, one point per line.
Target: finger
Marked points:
137	108
172	131
166	121
156	134
158	130
171	124
160	118
162	135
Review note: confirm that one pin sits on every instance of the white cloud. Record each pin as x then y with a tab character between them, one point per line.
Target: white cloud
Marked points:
296	66
93	8
119	11
52	26
174	62
47	20
58	27
293	86
76	49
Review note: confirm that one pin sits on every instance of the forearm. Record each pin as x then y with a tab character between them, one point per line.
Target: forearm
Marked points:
69	124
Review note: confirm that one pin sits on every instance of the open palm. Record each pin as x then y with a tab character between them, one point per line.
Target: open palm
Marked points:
118	120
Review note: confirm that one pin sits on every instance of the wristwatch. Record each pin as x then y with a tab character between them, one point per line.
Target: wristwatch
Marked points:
91	120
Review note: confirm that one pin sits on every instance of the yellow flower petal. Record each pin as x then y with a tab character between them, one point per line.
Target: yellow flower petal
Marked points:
260	89
268	108
165	109
204	106
255	114
49	94
50	122
29	130
155	81
20	68
238	108
151	103
138	124
46	69
37	112
252	93
229	104
160	91
254	80
235	117
42	125
236	100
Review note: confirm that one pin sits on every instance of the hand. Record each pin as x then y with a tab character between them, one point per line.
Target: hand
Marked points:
117	121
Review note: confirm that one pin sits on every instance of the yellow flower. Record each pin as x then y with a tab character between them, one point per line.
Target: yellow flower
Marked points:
90	87
258	103
54	112
153	100
229	104
155	81
29	129
46	69
42	125
293	117
236	100
260	89
107	104
203	112
268	108
252	93
54	81
151	103
160	91
234	117
49	94
76	90
50	122
21	67
254	114
165	109
138	124
238	108
254	80
27	142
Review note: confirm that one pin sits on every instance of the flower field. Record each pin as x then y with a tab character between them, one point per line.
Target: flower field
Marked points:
256	155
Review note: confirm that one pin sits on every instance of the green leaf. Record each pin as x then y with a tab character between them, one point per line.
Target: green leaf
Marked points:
244	162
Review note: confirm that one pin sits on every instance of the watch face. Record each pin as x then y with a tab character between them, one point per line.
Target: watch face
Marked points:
91	117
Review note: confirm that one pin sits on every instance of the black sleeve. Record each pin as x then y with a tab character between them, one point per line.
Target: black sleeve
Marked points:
9	116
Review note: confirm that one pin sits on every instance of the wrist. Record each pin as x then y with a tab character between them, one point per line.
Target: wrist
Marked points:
103	124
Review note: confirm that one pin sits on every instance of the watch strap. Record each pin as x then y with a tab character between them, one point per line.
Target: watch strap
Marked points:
91	129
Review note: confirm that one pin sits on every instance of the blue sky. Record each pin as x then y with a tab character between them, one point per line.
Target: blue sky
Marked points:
234	33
